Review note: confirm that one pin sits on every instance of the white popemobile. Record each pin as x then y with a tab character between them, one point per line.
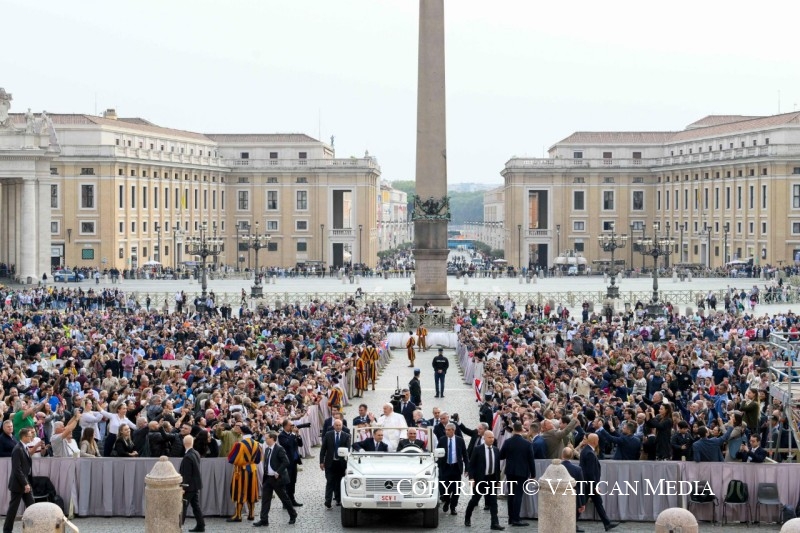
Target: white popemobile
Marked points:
405	478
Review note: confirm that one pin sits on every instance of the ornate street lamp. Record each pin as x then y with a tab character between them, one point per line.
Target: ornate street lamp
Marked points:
655	248
727	228
157	228
256	241
611	243
204	246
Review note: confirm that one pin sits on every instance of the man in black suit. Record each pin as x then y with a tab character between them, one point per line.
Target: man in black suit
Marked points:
406	407
451	466
373	444
276	477
484	473
411	440
362	418
327	425
433	422
192	483
290	440
19	483
333	465
590	467
629	447
439	429
754	454
577	474
7	440
520	467
476	435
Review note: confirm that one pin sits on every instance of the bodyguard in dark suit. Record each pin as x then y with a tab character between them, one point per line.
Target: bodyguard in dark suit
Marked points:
451	466
192	483
520	467
406	408
372	444
590	466
276	478
327	425
411	441
363	416
538	443
754	454
484	471
577	474
19	483
476	436
7	440
333	465
290	440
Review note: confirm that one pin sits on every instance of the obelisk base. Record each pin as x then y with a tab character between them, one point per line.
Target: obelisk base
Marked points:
431	277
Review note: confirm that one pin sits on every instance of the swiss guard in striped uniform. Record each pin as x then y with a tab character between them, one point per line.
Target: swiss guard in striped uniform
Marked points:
412	354
245	457
370	354
361	375
335	396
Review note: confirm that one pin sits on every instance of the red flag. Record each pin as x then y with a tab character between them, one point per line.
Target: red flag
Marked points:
477	389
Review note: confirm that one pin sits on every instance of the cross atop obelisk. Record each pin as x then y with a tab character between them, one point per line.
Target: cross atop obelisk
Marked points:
431	207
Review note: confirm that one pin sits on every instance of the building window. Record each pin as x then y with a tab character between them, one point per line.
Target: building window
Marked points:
796	227
608	225
214	200
763	228
302	180
53	171
796	170
87	227
133	227
302	247
752	198
121	227
579	246
87	171
87	254
578	180
638	200
144	197
272	246
272	200
272	225
638	180
752	228
608	179
577	155
243	203
301	225
273	155
608	200
54	227
637	155
658	200
87	196
155	197
578	225
144	227
243	179
716	197
728	198
302	155
302	200
272	180
53	196
763	197
607	155
738	197
244	155
578	200
133	196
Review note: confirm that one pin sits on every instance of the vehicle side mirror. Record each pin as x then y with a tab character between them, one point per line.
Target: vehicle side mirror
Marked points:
343	453
439	453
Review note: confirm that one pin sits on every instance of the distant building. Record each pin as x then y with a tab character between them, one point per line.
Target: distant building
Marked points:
723	171
394	225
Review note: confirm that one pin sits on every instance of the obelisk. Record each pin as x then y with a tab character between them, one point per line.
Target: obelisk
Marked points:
431	207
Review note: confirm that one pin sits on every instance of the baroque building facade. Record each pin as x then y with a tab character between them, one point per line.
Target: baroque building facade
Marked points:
123	192
725	188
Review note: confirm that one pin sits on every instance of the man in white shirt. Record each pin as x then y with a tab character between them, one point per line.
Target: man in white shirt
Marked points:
62	443
390	419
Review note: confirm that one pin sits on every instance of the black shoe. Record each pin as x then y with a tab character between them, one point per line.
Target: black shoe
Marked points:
260	523
338	504
453	512
197	529
519	524
467	522
297	504
233	520
486	508
293	519
497	527
436	396
446	507
327	505
611	525
579	530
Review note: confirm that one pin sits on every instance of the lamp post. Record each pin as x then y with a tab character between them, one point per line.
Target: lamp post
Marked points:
666	257
680	256
631	234
256	241
322	244
360	231
612	243
177	248
707	234
204	246
157	227
655	248
726	228
558	240
519	238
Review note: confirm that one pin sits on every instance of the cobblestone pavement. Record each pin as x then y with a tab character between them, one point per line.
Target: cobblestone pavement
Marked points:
314	518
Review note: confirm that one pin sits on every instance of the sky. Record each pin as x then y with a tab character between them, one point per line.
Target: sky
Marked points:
521	74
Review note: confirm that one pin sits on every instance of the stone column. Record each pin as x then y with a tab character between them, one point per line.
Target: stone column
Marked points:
430	235
676	519
28	235
45	517
163	498
557	493
44	219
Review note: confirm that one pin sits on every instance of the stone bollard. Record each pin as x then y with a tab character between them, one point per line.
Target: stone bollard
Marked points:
466	280
45	518
163	498
520	279
674	276
676	519
344	280
535	279
528	280
792	526
274	279
605	277
556	500
690	275
689	311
